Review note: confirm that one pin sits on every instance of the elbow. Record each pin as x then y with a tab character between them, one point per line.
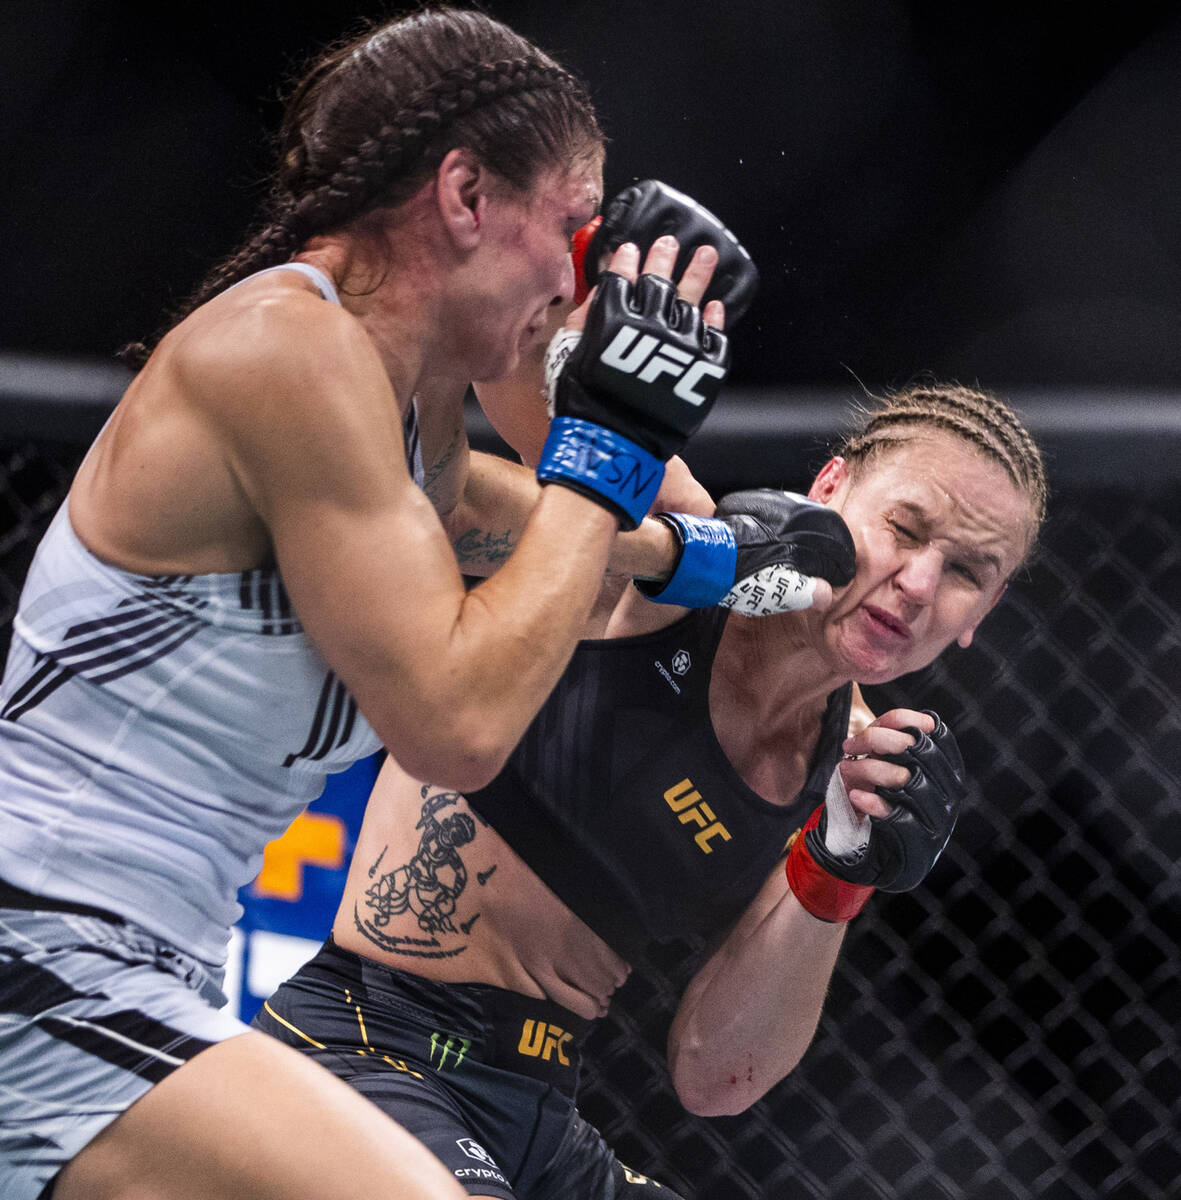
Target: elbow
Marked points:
463	755
705	1087
716	1089
458	771
726	1096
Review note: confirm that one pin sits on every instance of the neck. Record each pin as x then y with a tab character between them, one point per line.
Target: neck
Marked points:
392	300
768	697
773	665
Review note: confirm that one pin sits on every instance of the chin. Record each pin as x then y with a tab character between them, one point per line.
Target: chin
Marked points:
498	368
868	667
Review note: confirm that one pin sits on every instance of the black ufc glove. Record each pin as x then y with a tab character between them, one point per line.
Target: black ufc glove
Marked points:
760	554
645	211
629	391
904	846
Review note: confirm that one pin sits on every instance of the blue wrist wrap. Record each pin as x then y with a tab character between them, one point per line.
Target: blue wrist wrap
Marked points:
603	464
705	571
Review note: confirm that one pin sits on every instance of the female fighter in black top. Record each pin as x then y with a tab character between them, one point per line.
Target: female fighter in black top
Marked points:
659	793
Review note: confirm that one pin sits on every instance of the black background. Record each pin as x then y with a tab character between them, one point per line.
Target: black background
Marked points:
985	191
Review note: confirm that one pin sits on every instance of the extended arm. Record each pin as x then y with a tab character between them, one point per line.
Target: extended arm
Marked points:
498	498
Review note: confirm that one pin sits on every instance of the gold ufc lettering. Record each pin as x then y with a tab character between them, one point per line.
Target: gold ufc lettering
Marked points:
687	803
542	1040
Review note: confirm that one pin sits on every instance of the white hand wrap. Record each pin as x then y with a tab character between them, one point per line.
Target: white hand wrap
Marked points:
560	348
771	590
846	831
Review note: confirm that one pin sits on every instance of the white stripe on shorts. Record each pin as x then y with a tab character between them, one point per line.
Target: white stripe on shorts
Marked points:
92	1014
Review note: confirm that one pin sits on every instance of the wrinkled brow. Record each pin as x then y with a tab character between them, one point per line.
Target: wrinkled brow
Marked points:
972	555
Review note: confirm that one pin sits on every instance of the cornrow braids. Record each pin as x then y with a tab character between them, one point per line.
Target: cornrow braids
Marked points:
387	157
374	117
977	417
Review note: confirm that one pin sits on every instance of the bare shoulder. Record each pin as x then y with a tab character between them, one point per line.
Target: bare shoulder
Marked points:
292	390
273	338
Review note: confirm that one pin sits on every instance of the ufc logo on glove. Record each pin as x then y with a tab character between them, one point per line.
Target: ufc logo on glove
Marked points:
640	354
609	389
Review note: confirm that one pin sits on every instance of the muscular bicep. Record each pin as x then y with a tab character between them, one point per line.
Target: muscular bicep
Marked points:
317	444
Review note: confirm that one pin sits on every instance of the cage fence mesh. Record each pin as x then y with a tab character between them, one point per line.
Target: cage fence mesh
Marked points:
1009	1029
34	478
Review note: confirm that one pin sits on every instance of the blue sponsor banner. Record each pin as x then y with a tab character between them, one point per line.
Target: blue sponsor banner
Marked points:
290	906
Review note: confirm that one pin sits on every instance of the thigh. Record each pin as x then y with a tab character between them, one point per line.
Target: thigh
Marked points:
250	1119
118	1074
443	1060
585	1166
429	1111
430	1084
94	1015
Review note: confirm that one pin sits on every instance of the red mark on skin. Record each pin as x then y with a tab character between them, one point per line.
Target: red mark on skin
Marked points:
733	1080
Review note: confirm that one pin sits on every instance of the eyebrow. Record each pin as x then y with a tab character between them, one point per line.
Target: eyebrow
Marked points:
968	554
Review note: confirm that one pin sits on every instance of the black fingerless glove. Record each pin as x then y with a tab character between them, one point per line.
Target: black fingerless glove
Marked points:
629	392
646	366
904	846
648	210
759	554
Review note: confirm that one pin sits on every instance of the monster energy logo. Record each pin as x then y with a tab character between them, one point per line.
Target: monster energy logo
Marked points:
448	1044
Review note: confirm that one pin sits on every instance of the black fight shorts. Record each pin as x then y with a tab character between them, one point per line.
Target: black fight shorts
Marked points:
485	1078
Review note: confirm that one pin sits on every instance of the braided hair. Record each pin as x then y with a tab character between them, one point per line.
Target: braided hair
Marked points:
373	117
977	417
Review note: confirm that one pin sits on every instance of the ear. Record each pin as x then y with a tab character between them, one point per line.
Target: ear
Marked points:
965	638
461	193
828	481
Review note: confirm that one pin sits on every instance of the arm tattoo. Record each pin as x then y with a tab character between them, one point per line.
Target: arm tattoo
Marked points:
427	887
434	472
480	546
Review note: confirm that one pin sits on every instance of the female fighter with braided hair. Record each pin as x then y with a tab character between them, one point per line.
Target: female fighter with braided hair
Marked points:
658	794
248	588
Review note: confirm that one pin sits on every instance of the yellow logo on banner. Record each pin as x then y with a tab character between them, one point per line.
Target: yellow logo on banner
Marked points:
313	839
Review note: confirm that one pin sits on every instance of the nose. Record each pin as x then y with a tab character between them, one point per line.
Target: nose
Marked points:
918	577
566	283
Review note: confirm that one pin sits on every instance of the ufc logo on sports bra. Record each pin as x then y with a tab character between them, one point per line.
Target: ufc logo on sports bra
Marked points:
687	803
542	1040
648	358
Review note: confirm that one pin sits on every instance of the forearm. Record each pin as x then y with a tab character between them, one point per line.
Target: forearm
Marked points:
498	498
746	1020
